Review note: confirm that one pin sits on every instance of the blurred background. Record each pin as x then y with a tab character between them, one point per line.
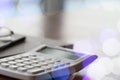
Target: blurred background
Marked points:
93	26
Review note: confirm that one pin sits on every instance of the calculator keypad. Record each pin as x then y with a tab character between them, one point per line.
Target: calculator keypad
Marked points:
30	63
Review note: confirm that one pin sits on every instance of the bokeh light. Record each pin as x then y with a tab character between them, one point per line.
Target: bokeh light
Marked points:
116	69
108	34
85	46
7	8
100	68
111	47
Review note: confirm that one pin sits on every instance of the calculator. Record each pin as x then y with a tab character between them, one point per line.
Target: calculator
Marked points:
45	63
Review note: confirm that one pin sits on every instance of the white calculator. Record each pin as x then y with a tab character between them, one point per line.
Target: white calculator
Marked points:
44	63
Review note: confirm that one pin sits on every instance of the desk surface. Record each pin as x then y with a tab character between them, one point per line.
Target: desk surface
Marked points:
28	44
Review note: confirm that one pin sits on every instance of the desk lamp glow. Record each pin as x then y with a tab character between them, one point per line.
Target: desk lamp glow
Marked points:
110	42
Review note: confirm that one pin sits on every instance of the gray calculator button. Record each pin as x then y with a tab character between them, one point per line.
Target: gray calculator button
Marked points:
29	66
35	61
44	64
47	68
51	62
4	64
10	58
41	64
36	65
51	65
21	69
42	59
18	60
13	67
12	62
3	60
35	70
48	58
27	62
20	64
33	58
25	59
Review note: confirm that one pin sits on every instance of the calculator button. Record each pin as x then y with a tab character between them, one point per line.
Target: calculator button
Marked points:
3	60
44	64
27	62
18	60
20	64
47	67
33	58
12	62
10	58
25	59
35	61
4	64
13	67
21	69
51	62
29	66
51	65
48	58
36	65
42	59
35	70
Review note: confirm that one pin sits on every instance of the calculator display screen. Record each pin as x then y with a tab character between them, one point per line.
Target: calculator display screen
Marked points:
59	53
